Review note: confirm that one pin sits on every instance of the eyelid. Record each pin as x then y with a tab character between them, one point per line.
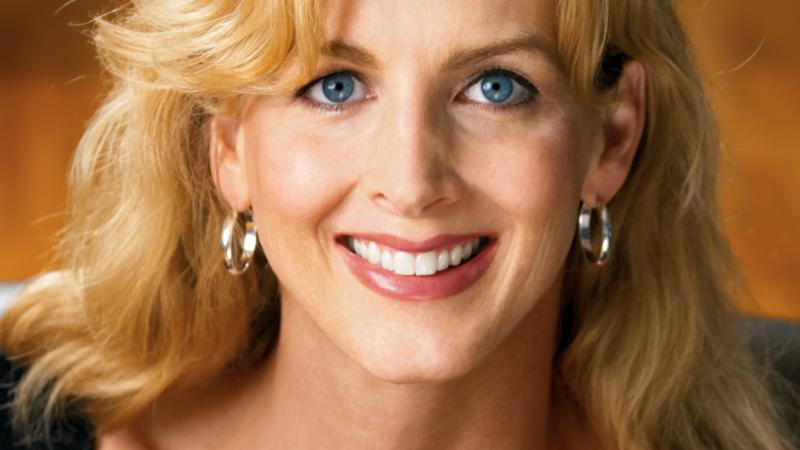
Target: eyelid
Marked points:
303	90
531	89
305	94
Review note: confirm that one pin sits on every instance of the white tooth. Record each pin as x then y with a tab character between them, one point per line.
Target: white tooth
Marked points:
443	262
403	263
455	255
475	244
425	264
361	249
350	243
387	262
467	250
374	254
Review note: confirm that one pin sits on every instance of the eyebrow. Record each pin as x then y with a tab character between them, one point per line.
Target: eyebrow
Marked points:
457	59
350	52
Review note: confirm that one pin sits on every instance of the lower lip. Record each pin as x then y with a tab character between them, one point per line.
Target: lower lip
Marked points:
430	287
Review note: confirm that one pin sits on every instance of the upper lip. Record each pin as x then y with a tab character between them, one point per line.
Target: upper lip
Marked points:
405	245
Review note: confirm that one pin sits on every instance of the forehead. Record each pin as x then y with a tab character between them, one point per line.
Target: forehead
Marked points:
432	28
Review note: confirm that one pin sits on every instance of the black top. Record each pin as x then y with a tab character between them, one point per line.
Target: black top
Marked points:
74	433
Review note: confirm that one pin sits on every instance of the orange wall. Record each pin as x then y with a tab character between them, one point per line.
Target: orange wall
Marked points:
752	59
49	85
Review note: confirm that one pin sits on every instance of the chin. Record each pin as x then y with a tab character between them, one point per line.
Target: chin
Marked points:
418	361
416	371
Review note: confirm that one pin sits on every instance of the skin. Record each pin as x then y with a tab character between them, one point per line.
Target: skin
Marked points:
415	158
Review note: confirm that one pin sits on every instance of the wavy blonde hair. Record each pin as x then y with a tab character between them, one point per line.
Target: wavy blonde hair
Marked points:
142	302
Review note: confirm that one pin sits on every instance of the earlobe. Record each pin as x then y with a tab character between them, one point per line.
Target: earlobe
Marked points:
620	132
226	157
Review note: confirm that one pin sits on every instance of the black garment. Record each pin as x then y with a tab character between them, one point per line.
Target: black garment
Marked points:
74	433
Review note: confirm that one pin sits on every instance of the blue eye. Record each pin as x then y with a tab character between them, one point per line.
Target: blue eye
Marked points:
500	88
497	88
340	87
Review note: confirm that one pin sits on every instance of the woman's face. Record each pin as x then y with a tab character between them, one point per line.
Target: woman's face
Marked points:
425	119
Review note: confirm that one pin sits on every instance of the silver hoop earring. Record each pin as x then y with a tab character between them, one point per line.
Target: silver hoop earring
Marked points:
585	233
238	260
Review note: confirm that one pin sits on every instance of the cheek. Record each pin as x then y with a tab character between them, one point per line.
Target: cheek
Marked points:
295	180
534	177
293	183
534	174
294	176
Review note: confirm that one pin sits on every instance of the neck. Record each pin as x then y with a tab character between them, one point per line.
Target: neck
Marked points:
307	383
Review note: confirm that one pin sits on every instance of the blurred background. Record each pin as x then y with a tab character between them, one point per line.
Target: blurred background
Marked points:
50	84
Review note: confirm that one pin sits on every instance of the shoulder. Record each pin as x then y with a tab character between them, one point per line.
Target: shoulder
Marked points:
73	434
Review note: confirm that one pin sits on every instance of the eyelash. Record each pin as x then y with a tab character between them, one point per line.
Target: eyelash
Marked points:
533	91
300	94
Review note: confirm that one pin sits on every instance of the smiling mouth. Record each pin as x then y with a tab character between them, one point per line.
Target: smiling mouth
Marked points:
405	263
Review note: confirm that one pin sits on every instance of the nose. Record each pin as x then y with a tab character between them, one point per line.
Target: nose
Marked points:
411	172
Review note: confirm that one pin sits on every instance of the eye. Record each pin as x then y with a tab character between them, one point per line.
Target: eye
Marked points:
500	87
336	88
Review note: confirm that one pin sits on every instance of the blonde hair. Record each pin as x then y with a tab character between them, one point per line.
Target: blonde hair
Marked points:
142	301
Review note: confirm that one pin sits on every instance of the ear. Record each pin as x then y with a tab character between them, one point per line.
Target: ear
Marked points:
618	134
226	155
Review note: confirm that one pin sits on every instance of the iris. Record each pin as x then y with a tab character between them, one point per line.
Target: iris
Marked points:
497	88
338	87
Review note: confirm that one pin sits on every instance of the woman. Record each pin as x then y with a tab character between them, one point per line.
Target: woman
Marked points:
417	173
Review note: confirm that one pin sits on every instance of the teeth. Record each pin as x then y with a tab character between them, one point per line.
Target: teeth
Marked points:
403	263
374	253
425	264
467	250
387	261
455	255
360	248
443	261
419	264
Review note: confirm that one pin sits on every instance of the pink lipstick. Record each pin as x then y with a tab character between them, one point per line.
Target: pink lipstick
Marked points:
442	284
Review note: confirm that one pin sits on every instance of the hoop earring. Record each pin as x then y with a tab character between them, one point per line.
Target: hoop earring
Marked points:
247	245
585	234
